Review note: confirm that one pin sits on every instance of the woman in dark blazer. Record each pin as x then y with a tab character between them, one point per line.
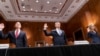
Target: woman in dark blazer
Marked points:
93	34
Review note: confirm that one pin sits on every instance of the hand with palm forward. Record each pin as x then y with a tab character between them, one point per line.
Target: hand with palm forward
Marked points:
2	26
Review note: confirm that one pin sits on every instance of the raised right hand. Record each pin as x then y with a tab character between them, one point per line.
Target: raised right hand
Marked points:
45	26
2	26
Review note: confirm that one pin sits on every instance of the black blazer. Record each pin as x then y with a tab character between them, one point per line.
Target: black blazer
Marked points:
95	38
57	39
20	41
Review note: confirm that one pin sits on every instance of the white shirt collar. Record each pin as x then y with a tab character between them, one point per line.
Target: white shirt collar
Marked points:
58	29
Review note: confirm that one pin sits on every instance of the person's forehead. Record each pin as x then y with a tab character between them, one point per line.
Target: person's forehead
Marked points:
57	23
18	23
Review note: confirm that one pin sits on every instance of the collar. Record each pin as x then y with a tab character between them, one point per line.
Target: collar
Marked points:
58	29
19	30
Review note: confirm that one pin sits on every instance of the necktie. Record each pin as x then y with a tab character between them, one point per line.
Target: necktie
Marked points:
16	33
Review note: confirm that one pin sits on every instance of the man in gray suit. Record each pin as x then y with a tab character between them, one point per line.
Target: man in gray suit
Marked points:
17	37
59	36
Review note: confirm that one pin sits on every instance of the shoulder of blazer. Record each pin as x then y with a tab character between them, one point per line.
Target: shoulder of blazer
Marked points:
11	32
63	31
22	32
54	30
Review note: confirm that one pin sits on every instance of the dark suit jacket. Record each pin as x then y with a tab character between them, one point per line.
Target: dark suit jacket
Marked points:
57	39
20	41
95	37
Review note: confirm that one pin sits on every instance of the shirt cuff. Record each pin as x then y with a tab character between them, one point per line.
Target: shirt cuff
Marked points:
0	29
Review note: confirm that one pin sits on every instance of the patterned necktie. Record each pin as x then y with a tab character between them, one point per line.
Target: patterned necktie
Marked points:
16	33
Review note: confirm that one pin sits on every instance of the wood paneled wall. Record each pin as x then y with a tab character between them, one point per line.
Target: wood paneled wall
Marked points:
89	14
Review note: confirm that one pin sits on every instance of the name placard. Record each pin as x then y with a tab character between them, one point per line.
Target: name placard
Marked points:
4	46
81	42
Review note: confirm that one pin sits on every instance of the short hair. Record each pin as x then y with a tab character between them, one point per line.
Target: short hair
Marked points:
57	22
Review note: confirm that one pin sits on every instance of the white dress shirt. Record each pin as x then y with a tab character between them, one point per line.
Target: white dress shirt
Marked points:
18	31
59	31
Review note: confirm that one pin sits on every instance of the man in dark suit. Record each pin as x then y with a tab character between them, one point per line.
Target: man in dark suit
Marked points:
59	36
17	37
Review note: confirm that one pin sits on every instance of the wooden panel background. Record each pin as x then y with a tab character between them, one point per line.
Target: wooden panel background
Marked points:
89	14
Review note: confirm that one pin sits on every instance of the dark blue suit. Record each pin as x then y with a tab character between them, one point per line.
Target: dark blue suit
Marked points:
95	37
20	41
57	39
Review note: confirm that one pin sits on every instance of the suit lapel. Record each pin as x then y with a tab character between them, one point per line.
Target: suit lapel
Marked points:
56	32
13	34
19	34
61	32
